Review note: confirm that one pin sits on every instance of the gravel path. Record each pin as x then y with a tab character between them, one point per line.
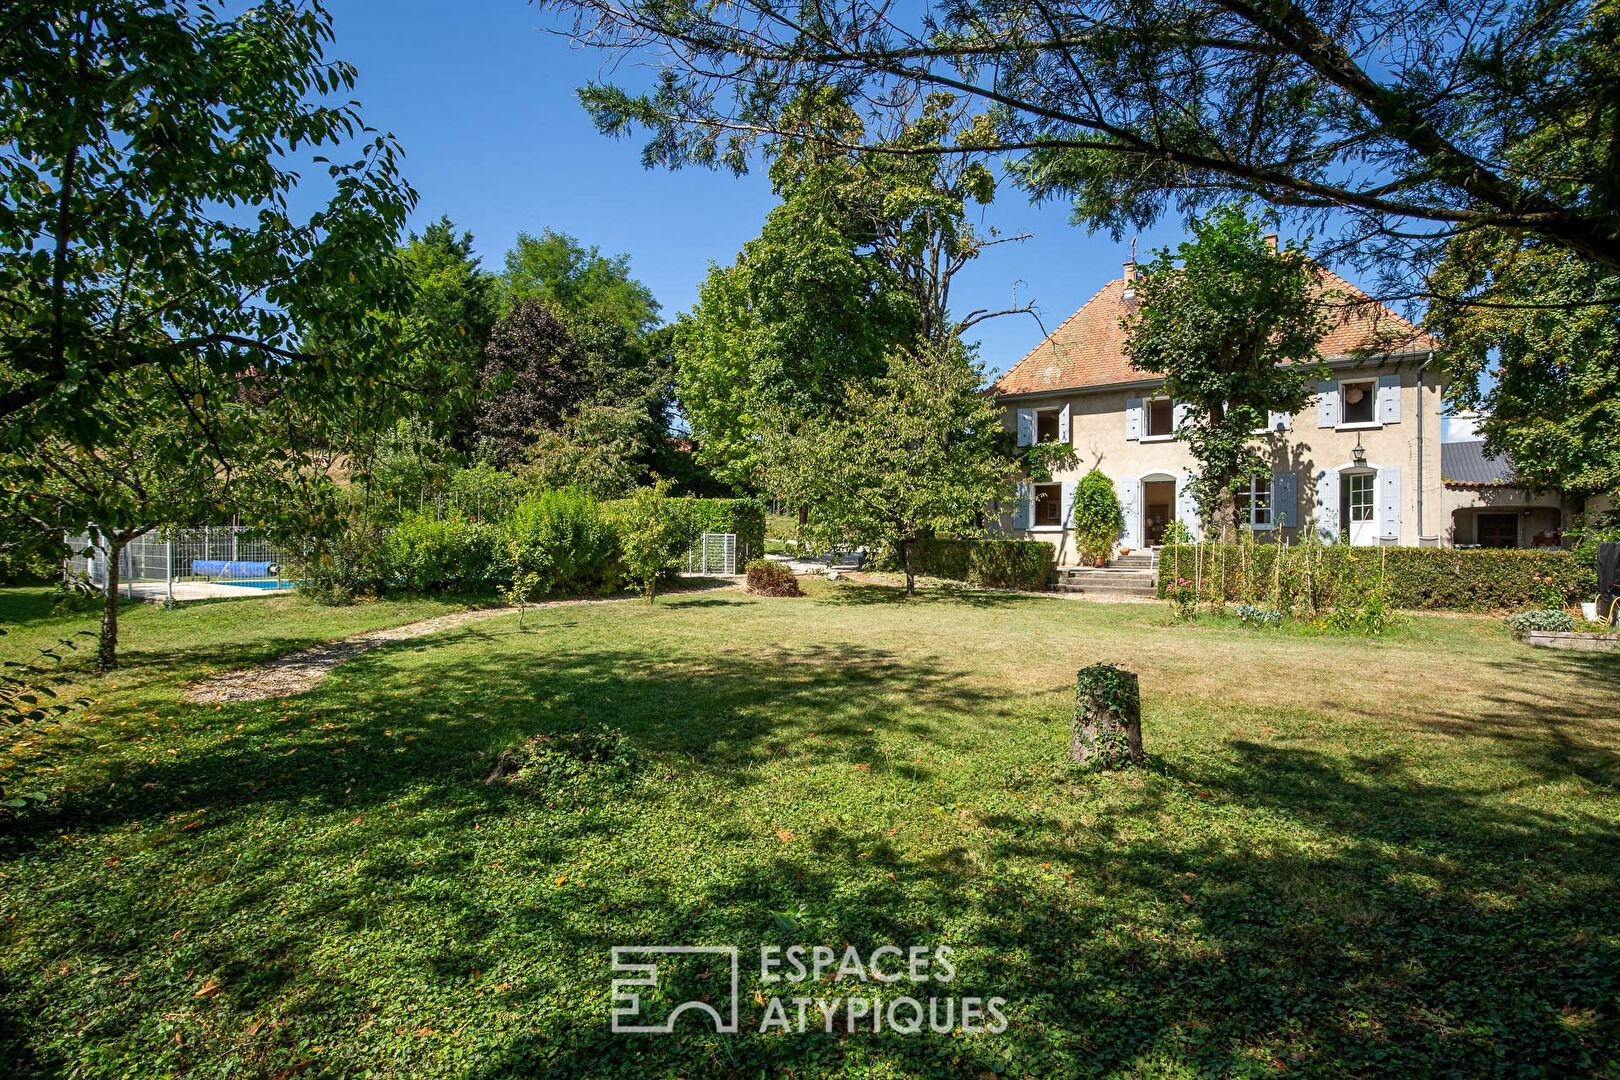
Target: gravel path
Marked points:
297	673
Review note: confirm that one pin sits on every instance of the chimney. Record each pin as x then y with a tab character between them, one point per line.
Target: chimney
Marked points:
1130	281
1271	240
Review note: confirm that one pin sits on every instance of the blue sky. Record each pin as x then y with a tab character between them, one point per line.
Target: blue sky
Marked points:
482	99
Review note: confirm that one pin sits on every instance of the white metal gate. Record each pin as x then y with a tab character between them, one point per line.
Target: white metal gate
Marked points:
713	553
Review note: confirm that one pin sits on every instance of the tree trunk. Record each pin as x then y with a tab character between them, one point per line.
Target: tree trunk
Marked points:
107	650
1107	718
905	561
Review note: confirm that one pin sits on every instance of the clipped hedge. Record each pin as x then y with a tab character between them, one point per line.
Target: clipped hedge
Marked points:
1419	579
745	517
995	564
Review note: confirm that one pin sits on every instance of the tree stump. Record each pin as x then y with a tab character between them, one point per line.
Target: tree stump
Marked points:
1107	718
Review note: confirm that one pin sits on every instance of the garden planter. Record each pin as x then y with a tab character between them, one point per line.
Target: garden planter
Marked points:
1549	639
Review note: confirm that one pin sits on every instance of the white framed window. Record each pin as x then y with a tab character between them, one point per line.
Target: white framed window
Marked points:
1255	503
1361	497
1358	402
1048	506
1159	418
1046	425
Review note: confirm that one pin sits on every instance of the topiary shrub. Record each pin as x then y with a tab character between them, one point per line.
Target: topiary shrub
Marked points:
992	564
1097	516
766	578
1561	622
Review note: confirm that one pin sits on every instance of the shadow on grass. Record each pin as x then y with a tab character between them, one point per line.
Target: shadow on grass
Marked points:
1402	934
1266	910
863	594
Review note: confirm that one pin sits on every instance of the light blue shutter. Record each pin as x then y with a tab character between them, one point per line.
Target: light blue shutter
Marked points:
1180	410
1130	505
1285	499
1026	427
1187	504
1069	487
1133	418
1327	505
1389	399
1327	407
1279	421
1063	424
1020	514
1389	503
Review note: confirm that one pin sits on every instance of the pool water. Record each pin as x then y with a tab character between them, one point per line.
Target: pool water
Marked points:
260	583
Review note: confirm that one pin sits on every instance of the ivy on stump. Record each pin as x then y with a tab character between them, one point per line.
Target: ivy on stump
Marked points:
1107	718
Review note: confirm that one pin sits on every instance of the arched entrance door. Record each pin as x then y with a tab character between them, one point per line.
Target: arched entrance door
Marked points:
1158	507
1358	505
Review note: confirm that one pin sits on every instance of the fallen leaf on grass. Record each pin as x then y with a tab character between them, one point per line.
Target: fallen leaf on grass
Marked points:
784	836
862	765
209	988
561	878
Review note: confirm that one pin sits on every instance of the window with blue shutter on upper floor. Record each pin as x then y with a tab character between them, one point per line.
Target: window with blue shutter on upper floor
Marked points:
1358	402
1046	426
1159	418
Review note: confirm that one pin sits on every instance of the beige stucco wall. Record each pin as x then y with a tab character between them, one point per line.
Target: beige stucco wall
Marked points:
1098	435
1537	512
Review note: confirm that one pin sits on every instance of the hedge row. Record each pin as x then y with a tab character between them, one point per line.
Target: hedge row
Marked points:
995	564
570	544
1421	579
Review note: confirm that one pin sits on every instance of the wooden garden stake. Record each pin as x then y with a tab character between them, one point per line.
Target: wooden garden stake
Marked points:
1107	718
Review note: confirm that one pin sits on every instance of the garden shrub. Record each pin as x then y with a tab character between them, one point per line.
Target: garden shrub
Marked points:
567	542
655	532
766	578
1176	532
994	564
1557	621
1423	579
348	565
428	553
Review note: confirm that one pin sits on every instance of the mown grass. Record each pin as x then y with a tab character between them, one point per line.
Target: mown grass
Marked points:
1347	858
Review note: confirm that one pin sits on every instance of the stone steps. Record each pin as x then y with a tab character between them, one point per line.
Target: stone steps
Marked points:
1107	581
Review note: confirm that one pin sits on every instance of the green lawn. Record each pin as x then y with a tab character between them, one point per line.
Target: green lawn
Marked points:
1347	858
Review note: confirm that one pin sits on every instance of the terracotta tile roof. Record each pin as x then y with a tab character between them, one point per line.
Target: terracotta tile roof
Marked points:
1088	349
